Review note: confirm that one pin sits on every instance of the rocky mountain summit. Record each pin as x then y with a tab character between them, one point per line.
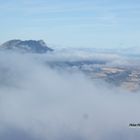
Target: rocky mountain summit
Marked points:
32	46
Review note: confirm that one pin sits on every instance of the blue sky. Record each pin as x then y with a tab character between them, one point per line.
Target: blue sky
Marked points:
72	23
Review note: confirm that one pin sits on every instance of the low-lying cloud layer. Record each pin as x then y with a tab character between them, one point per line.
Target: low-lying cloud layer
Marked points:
41	103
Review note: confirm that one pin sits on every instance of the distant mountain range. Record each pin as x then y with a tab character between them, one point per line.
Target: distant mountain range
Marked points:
32	46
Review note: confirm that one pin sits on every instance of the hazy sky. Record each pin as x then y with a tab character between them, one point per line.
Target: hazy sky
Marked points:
74	23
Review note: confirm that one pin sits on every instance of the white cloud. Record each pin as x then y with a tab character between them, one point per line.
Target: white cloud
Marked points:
37	102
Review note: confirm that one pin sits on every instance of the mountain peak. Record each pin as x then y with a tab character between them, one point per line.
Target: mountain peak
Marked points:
34	46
